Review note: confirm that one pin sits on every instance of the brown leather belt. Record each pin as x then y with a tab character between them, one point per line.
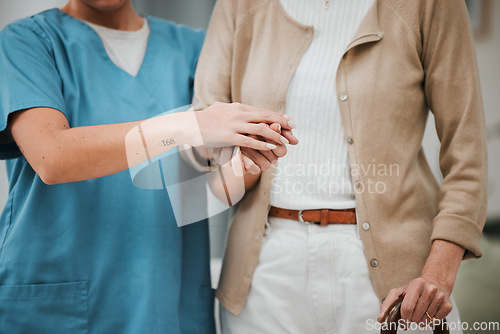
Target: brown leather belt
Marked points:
322	217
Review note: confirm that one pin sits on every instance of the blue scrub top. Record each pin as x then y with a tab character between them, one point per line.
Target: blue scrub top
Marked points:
98	256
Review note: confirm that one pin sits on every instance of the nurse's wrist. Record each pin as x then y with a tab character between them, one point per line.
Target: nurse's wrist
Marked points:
180	128
188	130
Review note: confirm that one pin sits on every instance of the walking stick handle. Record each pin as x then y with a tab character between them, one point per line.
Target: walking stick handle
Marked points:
394	315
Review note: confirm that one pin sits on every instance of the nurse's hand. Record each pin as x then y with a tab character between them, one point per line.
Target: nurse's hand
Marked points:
227	124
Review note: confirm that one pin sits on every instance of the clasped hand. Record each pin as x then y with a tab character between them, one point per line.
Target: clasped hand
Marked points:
425	301
261	135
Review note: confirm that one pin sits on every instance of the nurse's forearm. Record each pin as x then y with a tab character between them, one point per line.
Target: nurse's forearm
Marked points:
60	154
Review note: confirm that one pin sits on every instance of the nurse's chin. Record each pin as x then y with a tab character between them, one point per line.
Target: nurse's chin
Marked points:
105	5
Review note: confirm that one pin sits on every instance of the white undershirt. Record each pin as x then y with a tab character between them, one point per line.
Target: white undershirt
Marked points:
126	49
315	173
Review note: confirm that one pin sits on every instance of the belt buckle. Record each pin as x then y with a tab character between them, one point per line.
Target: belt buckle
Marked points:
301	219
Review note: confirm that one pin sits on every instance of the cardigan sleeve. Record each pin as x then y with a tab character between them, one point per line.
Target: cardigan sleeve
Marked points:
213	74
453	94
212	81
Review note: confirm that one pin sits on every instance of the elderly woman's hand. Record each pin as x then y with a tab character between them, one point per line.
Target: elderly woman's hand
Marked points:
428	297
256	161
424	300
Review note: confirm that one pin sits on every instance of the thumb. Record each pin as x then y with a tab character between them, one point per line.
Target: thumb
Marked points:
237	162
276	127
386	306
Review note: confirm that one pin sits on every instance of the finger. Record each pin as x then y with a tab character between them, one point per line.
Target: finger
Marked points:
423	303
412	295
263	130
444	309
268	117
290	137
237	162
270	156
434	306
425	320
392	296
246	141
273	155
276	127
258	158
280	151
249	165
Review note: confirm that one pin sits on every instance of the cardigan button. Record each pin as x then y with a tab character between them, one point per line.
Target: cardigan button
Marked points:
350	141
357	184
374	263
343	97
366	226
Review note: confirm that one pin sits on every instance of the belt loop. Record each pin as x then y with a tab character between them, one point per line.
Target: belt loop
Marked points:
324	217
358	233
301	219
267	230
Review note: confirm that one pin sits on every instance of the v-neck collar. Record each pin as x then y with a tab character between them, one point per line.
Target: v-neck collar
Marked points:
102	48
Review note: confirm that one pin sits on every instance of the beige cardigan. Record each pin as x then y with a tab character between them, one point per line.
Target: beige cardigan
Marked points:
408	57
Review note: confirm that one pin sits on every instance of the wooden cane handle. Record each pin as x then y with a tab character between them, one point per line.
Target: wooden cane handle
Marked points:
394	315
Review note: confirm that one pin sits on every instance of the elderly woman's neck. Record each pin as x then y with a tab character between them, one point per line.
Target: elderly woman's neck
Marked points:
121	16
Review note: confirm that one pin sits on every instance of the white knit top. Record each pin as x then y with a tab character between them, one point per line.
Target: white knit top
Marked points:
315	173
126	49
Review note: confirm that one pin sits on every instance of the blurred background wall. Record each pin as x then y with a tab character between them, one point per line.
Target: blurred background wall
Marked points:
477	290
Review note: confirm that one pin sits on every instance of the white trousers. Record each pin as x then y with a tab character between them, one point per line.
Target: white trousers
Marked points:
310	279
